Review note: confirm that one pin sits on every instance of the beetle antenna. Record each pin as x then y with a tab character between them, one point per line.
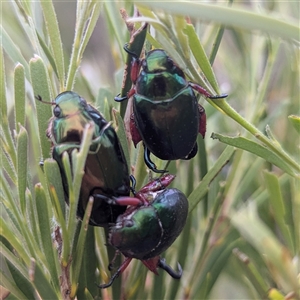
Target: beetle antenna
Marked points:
39	98
163	265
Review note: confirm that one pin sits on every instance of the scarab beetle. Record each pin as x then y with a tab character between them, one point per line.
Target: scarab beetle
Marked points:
106	173
152	222
166	114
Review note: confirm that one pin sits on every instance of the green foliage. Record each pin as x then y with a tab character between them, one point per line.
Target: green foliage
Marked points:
242	237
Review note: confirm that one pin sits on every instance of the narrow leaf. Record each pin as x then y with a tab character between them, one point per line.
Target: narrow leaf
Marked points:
19	88
230	16
255	148
45	220
40	84
295	120
54	34
277	206
22	167
201	190
200	56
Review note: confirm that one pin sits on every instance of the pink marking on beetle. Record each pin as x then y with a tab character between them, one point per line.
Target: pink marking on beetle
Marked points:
200	89
135	135
135	69
124	201
158	184
152	264
202	121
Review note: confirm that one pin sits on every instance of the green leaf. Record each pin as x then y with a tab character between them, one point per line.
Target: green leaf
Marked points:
230	16
6	137
40	84
80	245
45	219
255	148
22	167
276	256
53	176
12	286
41	282
295	120
54	35
13	51
201	190
200	56
15	241
19	78
21	281
277	206
121	132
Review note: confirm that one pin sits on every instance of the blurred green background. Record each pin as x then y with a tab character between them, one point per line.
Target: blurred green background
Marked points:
242	239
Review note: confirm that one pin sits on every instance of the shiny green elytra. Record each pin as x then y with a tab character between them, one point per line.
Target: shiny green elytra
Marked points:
150	230
166	114
106	173
153	220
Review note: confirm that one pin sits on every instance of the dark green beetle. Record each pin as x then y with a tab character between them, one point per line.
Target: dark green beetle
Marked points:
166	114
149	226
106	173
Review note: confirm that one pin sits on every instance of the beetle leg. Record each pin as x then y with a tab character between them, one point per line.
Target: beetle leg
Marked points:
133	184
124	201
202	120
150	164
128	95
204	92
135	135
121	269
218	96
120	99
163	265
200	89
133	54
157	184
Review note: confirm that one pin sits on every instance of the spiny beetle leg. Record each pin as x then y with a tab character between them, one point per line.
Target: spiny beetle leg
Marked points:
202	120
158	184
204	92
218	96
200	89
133	184
126	97
116	275
133	54
150	164
120	99
135	135
124	201
163	265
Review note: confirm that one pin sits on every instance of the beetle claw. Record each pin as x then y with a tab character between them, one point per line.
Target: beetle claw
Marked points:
120	99
163	265
150	164
133	54
219	96
112	279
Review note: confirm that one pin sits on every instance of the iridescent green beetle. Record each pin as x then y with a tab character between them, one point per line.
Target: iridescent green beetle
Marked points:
106	173
152	222
166	113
